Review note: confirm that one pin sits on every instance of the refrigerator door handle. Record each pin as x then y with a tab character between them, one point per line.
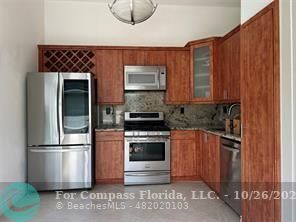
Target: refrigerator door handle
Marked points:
58	99
59	150
60	108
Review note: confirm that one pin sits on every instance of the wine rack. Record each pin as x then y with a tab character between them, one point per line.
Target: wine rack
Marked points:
68	60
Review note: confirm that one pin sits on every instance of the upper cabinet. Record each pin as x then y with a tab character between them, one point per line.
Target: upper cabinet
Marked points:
229	66
110	77
133	57
144	57
203	71
177	77
155	57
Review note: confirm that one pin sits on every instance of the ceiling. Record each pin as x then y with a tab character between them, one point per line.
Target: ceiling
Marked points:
220	3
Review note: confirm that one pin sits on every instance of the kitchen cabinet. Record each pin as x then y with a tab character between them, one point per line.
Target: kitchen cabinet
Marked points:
155	57
260	113
134	57
109	157
183	154
204	78
178	75
198	155
210	152
140	57
110	89
229	63
66	59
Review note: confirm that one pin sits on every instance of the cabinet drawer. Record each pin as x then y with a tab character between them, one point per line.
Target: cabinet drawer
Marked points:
183	135
109	136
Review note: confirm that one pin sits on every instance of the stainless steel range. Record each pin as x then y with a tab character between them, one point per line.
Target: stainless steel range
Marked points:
147	149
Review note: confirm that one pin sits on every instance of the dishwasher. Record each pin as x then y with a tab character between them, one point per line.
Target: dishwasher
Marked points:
230	173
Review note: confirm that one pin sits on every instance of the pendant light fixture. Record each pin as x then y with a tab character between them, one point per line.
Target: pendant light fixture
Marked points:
133	11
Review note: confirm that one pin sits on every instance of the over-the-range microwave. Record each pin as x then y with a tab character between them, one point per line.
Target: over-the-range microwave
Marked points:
145	78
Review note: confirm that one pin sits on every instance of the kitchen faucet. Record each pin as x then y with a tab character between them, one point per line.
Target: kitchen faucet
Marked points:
230	115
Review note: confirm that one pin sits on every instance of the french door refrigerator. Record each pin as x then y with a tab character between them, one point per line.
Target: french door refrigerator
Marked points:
60	130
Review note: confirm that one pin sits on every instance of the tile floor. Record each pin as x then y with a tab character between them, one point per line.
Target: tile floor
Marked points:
201	210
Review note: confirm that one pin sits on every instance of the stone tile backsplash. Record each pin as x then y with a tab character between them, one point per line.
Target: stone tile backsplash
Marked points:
208	115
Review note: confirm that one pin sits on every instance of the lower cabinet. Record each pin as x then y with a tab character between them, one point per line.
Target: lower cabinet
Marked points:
109	157
184	155
195	155
210	161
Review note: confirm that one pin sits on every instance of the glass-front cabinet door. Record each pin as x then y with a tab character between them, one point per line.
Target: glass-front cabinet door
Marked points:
202	65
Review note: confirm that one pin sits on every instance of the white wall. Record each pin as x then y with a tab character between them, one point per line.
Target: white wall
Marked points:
288	104
90	22
251	7
21	25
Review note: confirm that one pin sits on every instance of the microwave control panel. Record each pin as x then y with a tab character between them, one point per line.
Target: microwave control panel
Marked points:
162	77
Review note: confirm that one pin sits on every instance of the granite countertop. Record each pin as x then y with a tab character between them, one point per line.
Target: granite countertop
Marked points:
214	131
109	128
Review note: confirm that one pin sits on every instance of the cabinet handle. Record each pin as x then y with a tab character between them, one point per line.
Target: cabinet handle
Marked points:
205	138
225	94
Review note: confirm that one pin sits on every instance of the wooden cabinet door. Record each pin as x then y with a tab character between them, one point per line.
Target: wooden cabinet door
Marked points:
110	77
214	162
205	156
234	77
198	145
144	57
229	63
260	113
155	57
134	57
178	74
109	157
225	66
183	154
210	158
201	78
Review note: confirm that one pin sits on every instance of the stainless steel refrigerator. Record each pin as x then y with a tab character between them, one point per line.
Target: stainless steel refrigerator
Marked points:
60	130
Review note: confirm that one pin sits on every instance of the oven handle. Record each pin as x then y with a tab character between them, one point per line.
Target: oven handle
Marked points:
147	174
150	140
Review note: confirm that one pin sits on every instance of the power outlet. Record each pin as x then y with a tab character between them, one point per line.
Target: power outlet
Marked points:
182	110
108	110
224	109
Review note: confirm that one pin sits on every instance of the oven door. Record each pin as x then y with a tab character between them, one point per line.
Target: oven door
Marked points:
147	154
